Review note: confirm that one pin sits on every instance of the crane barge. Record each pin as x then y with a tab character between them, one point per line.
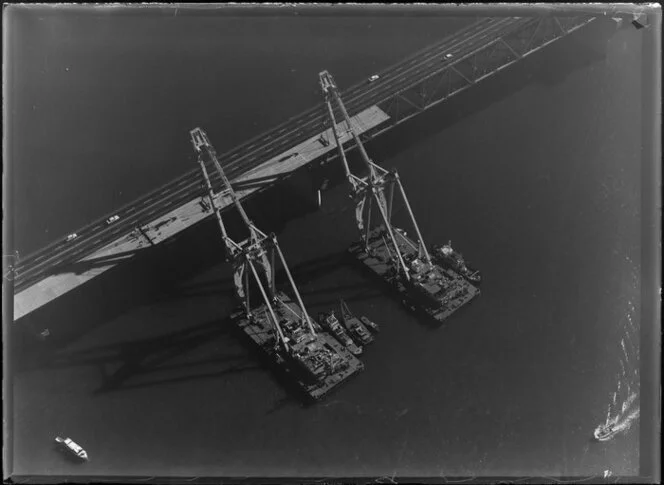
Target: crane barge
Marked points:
385	249
276	323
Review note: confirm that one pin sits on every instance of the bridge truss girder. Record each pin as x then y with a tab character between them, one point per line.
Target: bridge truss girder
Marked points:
459	74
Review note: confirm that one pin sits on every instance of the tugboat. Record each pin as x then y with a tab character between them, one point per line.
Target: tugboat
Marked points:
371	325
72	448
330	323
355	326
447	256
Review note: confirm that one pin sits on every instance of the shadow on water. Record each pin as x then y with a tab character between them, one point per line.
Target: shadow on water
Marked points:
66	455
178	357
302	273
282	403
142	359
311	270
361	293
81	310
151	275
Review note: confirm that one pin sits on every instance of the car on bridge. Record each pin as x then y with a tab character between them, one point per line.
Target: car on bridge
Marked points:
373	78
71	237
112	219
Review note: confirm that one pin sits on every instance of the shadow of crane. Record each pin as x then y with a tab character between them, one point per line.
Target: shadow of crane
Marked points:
177	356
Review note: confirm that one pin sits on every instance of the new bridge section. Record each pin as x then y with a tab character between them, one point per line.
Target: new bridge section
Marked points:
193	211
417	83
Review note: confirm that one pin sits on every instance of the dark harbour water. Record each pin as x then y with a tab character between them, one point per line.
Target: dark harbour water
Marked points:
534	176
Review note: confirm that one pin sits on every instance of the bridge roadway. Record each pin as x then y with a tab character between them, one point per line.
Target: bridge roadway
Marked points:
260	148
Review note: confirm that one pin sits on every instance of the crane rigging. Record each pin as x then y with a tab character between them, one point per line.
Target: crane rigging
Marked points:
439	285
257	250
367	190
280	326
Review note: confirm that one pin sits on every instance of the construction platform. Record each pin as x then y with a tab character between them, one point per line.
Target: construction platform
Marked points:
317	364
435	291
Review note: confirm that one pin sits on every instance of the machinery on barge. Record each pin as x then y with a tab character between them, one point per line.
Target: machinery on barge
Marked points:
445	255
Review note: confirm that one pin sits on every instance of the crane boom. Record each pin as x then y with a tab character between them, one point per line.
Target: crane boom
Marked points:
374	184
365	189
247	254
330	87
342	154
202	144
231	246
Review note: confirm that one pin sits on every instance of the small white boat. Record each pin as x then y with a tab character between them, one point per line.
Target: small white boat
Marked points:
71	447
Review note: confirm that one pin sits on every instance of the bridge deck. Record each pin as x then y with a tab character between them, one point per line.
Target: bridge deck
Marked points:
184	216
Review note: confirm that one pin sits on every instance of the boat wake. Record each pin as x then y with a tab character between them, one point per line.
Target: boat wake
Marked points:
623	409
608	431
